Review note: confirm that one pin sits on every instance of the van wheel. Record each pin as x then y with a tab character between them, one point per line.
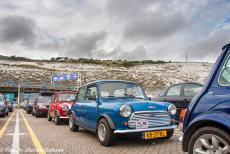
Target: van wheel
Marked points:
209	140
56	119
73	127
49	117
105	134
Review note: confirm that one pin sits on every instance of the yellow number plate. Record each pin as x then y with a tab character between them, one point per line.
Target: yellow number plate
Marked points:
156	134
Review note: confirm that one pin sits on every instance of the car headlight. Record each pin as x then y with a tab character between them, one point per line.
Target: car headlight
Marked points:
172	109
125	111
65	108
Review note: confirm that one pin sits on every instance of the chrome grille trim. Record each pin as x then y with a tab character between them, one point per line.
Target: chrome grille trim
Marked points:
154	118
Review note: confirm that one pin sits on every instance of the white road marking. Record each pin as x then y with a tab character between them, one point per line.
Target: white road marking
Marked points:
15	145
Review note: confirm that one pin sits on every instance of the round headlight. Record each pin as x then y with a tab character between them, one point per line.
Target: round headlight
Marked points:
65	108
125	111
172	109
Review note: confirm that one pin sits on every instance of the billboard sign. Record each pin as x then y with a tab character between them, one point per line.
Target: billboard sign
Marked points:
65	77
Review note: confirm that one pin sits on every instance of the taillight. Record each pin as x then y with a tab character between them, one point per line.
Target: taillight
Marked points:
182	114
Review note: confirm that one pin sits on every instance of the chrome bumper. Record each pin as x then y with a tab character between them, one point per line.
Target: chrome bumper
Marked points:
144	130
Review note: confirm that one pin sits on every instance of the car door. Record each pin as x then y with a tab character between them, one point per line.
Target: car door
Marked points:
77	106
90	107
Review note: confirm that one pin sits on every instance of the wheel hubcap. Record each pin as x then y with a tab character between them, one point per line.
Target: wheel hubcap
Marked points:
101	132
210	144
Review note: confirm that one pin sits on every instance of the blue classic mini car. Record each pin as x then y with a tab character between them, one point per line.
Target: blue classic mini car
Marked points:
116	107
207	120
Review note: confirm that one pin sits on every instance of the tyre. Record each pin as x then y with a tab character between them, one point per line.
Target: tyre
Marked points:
73	127
27	111
32	113
36	114
4	114
105	134
49	118
209	140
57	119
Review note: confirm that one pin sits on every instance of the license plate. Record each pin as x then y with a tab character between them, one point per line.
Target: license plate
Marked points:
156	134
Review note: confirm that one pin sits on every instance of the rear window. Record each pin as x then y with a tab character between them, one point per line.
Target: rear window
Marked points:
174	91
67	97
44	99
191	90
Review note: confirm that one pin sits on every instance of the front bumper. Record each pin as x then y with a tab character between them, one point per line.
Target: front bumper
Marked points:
144	130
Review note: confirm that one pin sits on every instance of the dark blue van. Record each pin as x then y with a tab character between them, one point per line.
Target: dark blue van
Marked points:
207	120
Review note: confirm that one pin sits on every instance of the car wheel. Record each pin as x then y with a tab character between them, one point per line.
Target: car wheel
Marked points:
4	114
73	127
36	114
49	117
32	113
56	119
209	140
27	111
105	134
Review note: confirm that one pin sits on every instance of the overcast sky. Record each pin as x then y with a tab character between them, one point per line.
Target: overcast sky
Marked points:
115	29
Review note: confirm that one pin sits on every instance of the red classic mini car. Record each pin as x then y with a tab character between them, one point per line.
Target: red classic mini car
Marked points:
60	104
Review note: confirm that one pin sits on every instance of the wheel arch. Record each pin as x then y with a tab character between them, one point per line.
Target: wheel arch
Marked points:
108	119
203	122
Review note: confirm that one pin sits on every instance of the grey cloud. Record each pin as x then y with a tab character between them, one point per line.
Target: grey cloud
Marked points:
138	53
127	8
84	45
154	25
211	46
17	29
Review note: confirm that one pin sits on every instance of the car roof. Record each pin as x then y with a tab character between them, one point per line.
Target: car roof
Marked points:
102	81
186	83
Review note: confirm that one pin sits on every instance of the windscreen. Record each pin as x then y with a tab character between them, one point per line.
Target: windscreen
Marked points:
121	89
67	97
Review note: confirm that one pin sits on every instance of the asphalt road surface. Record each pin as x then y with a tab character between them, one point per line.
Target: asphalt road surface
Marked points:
22	133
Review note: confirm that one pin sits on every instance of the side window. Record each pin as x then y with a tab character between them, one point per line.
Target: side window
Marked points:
191	90
224	78
81	94
174	91
91	93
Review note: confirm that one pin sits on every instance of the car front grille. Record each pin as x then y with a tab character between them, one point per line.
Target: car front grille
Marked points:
154	119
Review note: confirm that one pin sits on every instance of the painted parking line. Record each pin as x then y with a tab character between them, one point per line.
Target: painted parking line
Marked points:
3	129
34	138
15	145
